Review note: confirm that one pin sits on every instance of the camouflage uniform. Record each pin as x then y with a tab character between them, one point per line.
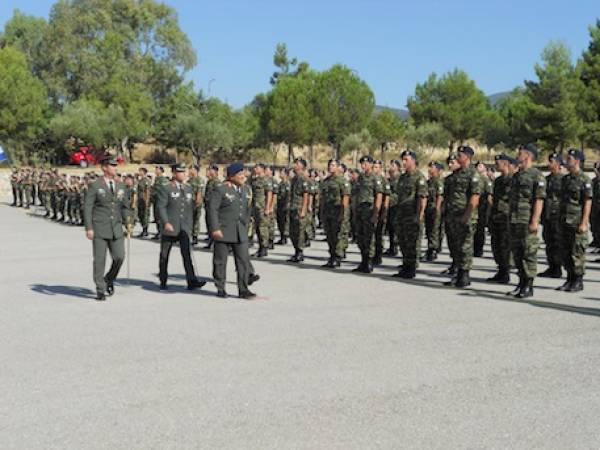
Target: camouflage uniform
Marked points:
483	212
391	217
273	216
367	189
410	189
551	223
198	185
433	220
595	215
299	186
283	210
381	221
260	188
333	190
499	225
143	203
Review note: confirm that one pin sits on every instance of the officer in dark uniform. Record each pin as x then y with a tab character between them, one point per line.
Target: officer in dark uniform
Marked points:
228	217
175	207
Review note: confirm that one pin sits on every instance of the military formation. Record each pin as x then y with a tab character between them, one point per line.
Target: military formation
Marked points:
412	207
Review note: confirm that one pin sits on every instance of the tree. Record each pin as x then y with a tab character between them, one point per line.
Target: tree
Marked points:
430	135
512	129
588	104
85	120
343	102
386	127
357	142
26	33
552	116
23	101
454	101
285	65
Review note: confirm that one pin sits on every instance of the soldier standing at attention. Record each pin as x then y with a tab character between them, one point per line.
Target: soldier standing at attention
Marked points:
197	183
527	194
595	217
551	218
453	166
335	198
283	207
143	200
484	208
369	199
175	206
105	211
269	173
383	213
499	220
212	181
461	212
299	193
433	211
345	225
14	184
262	195
228	217
575	209
393	174
411	191
160	181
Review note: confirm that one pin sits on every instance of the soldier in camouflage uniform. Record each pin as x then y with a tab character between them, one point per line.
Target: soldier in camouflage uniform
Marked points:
383	213
484	208
198	184
411	192
272	207
369	200
595	217
160	181
527	194
575	210
143	200
262	193
461	215
453	167
313	204
353	178
212	181
551	218
283	207
345	225
393	174
14	184
499	220
433	211
335	198
299	198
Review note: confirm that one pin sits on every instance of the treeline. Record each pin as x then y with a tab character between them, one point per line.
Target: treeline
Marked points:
112	74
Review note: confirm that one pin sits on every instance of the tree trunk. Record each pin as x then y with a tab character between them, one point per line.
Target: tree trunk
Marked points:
123	145
290	153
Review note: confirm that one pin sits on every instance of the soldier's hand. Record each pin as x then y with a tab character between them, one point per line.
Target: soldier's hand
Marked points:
583	228
169	227
90	234
374	219
533	227
217	234
464	220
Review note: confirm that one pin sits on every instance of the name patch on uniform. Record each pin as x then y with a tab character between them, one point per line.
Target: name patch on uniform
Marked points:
188	195
541	183
175	194
101	191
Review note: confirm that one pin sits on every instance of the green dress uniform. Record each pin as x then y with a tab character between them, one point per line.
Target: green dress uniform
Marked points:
105	210
175	205
499	226
229	212
526	187
159	183
576	191
211	183
551	232
433	224
333	190
410	189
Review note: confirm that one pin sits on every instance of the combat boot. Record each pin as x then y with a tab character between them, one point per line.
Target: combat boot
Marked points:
519	286
408	273
576	284
502	277
463	279
527	289
362	266
337	262
329	264
567	285
271	245
449	271
551	272
261	253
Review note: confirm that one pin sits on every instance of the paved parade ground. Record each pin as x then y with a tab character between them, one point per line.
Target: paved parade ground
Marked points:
323	359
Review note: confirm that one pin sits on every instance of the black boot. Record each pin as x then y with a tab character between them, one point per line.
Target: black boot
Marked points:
329	264
298	257
261	253
463	279
369	266
567	285
551	272
576	284
408	273
362	266
337	262
271	245
502	277
195	240
392	251
527	289
449	271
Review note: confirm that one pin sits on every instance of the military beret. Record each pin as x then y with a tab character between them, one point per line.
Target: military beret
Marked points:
366	158
513	161
213	167
436	165
466	150
179	167
556	157
577	154
597	165
234	168
344	167
410	153
336	161
161	168
395	161
108	161
502	157
301	161
531	148
378	161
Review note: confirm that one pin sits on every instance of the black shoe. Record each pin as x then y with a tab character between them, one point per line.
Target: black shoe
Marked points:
369	267
100	296
452	281
377	261
271	245
298	257
449	271
253	278
110	287
406	273
567	285
222	294
362	267
261	253
502	277
551	272
337	262
329	263
163	286
463	279
247	295
526	290
194	240
195	284
577	284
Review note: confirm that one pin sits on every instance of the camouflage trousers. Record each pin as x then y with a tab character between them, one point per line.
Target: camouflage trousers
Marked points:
332	223
344	231
460	241
524	246
379	233
272	222
283	221
433	229
297	229
595	222
392	218
261	226
479	238
552	236
410	231
196	216
573	245
365	229
501	244
143	208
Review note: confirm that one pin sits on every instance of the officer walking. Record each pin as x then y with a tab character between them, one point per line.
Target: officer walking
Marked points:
175	206
105	210
228	217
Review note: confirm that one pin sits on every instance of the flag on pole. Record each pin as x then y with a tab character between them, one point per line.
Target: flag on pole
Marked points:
3	156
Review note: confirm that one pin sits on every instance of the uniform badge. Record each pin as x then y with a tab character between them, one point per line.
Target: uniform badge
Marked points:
541	183
101	191
175	194
588	185
229	196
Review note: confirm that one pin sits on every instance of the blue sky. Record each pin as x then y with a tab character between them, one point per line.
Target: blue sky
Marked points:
391	44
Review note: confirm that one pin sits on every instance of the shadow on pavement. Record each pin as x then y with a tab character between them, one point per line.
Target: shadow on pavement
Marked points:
72	291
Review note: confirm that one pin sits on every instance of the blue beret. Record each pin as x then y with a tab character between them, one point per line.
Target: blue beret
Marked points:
366	158
531	148
502	157
234	168
577	154
466	150
410	153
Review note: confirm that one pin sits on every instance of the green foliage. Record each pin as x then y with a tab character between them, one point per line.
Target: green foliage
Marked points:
428	135
86	120
588	90
454	101
386	127
285	65
26	33
361	142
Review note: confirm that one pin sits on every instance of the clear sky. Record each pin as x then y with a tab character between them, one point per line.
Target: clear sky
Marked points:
391	44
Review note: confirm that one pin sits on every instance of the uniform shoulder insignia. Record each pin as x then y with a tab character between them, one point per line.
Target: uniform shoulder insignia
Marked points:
541	183
475	179
588	185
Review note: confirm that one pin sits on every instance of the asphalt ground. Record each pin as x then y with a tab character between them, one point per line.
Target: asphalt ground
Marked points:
322	359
